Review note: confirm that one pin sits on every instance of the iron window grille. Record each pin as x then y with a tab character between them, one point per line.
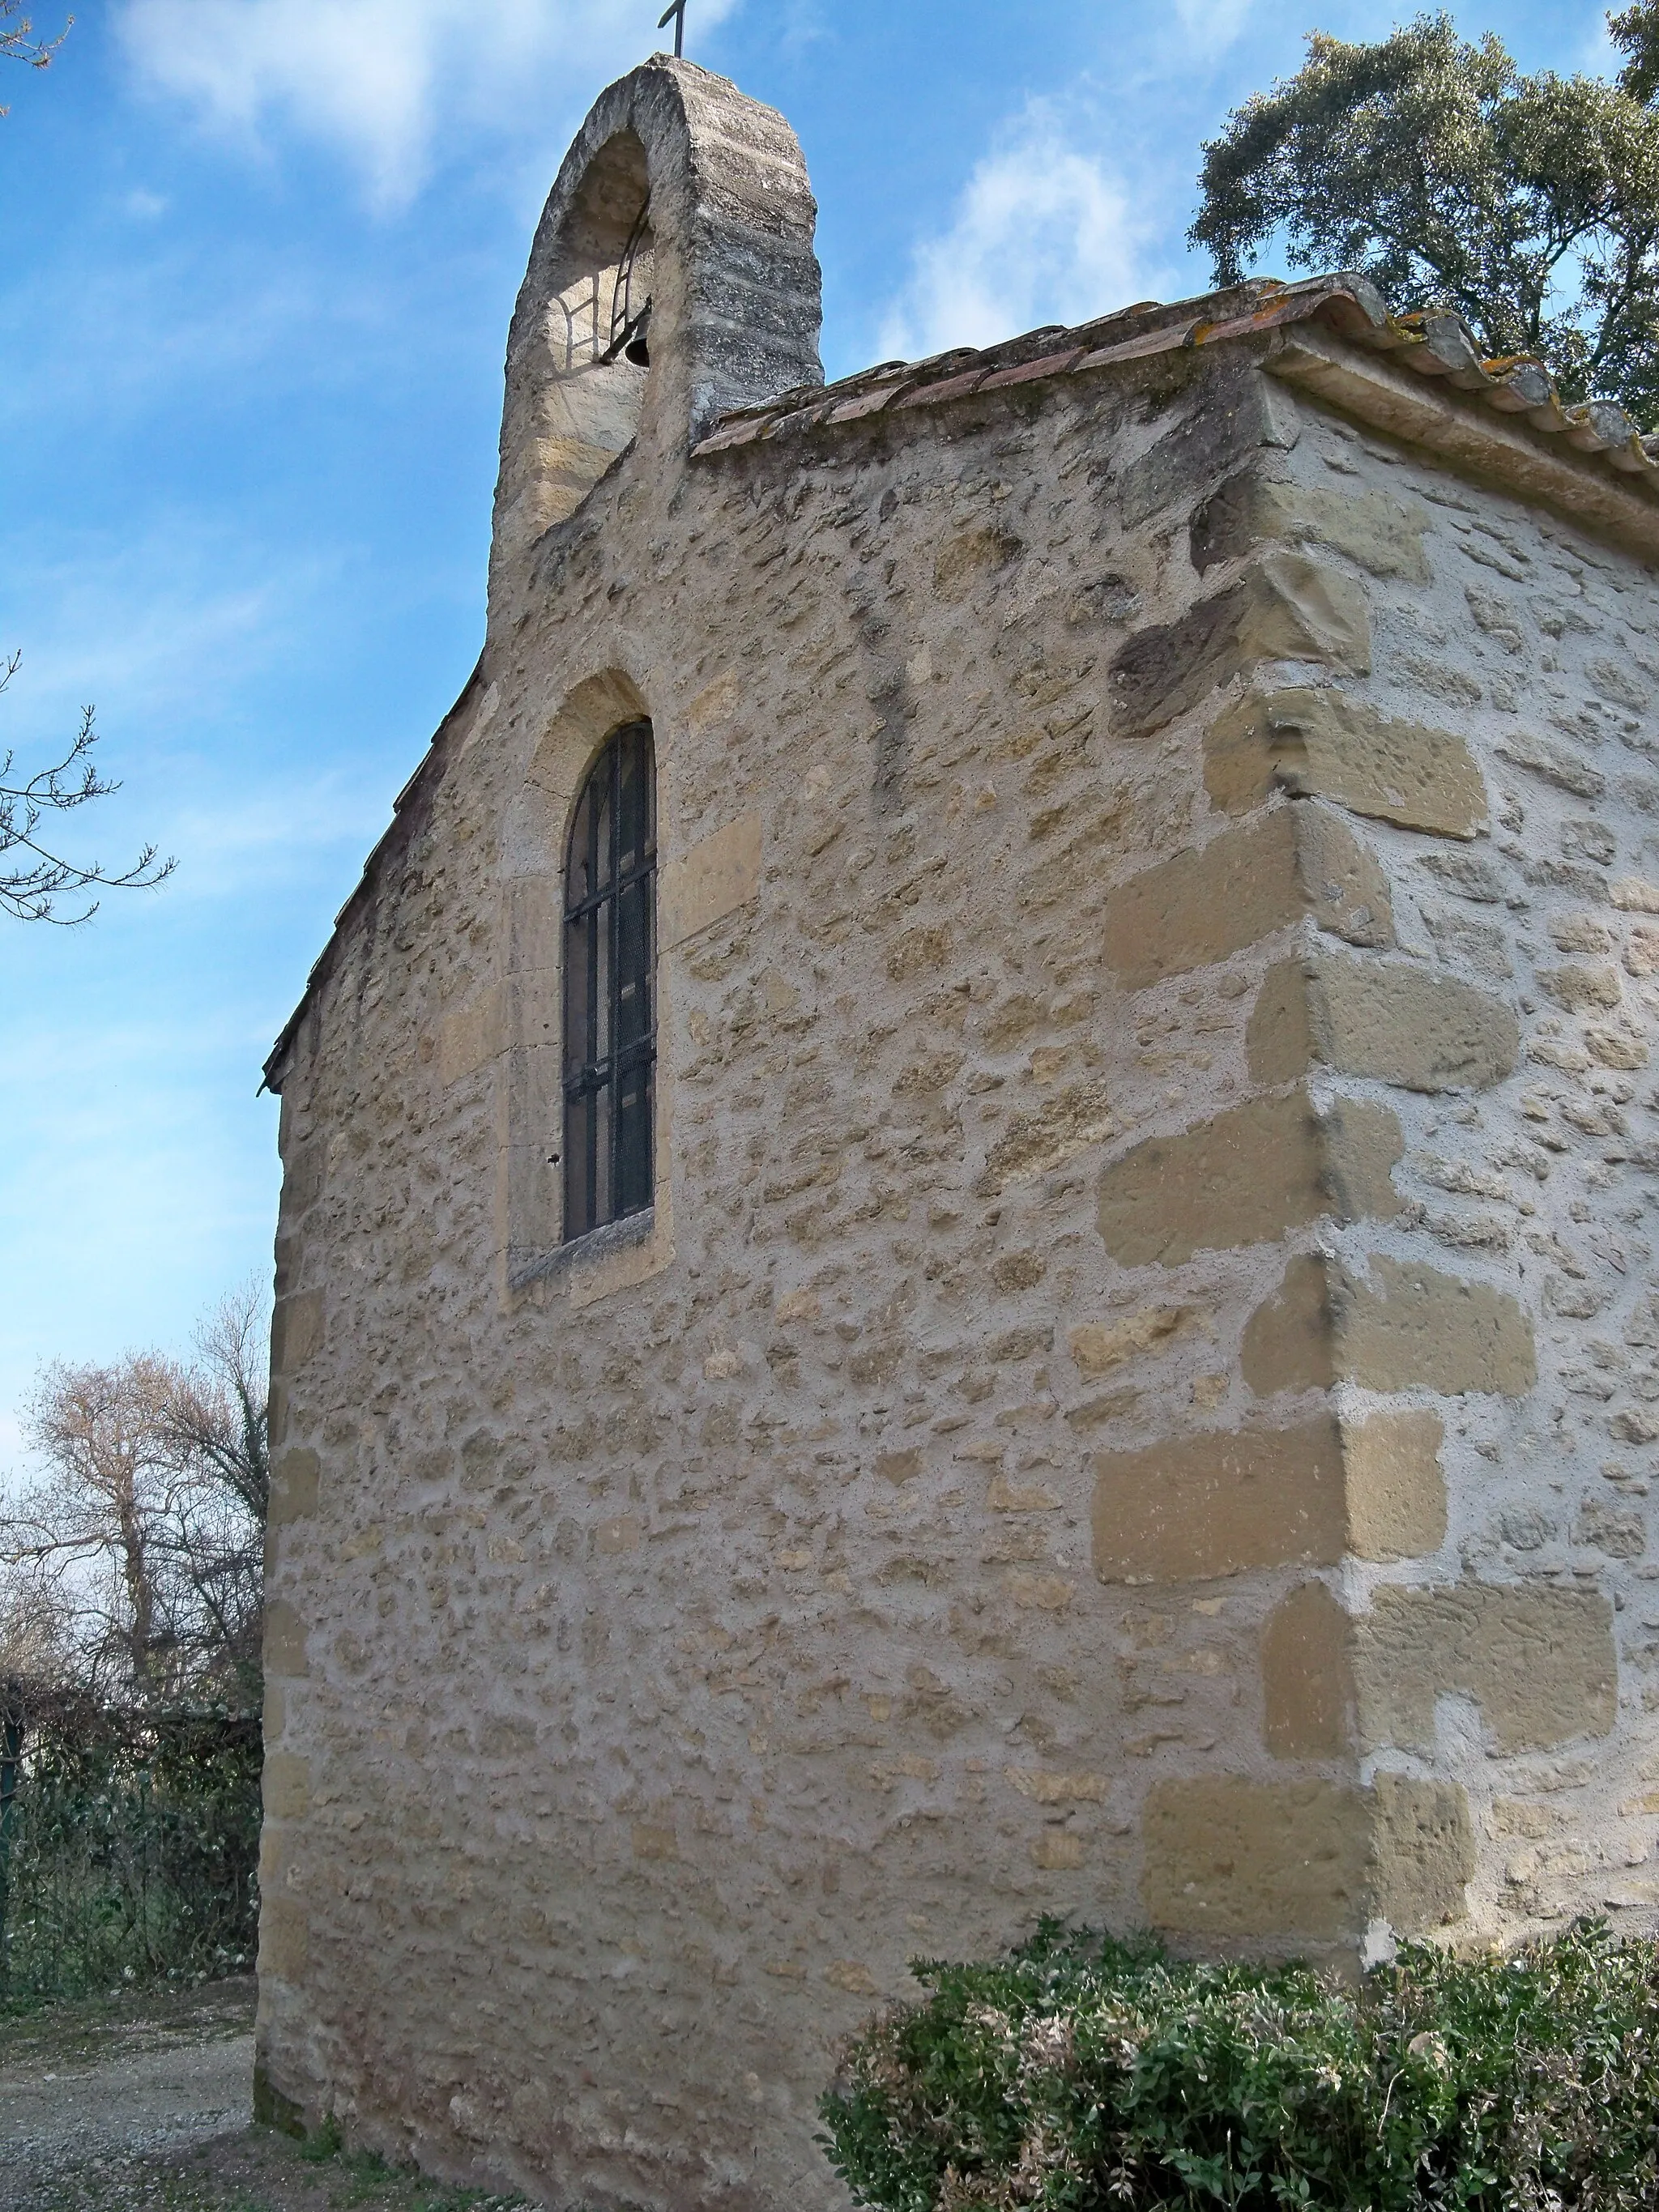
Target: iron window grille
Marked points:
609	987
594	333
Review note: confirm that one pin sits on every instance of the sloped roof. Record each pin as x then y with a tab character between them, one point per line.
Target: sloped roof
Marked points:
1437	348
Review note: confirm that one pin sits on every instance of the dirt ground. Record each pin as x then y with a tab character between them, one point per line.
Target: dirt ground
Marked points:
140	2103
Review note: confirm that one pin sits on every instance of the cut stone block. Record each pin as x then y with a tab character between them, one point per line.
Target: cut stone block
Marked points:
1538	1661
1286	607
1323	744
1248	1176
1202	906
1217	1502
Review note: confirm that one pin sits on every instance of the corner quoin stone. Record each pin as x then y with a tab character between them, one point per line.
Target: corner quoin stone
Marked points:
1396	1490
1248	1176
1235	415
286	1784
296	1331
1390	1022
294	1476
1538	1661
1307	1676
285	1640
1423	1853
1322	745
1202	906
284	1939
1410	1327
1378	533
1290	1340
1284	607
1218	1503
1225	1857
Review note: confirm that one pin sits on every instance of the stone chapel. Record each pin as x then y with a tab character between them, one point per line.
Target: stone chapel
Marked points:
969	1199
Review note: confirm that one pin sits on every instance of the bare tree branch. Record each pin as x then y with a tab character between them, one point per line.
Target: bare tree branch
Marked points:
30	888
18	42
217	1414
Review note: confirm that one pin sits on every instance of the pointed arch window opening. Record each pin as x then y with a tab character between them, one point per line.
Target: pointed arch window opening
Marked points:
609	987
594	334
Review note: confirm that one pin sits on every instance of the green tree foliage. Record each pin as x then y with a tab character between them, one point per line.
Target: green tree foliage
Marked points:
131	1844
1636	34
1085	2075
1529	206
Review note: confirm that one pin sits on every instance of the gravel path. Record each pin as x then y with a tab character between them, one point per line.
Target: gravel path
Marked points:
143	2100
141	2104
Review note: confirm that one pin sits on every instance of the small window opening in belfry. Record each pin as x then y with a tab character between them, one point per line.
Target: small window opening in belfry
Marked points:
607	314
600	313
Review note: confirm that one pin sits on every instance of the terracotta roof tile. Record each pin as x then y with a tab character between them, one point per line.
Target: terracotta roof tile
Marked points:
733	430
1029	371
1161	340
952	387
866	402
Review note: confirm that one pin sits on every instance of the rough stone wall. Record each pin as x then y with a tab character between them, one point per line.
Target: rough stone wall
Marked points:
1137	1395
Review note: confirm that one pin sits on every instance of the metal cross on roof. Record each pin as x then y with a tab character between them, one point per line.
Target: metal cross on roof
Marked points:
675	12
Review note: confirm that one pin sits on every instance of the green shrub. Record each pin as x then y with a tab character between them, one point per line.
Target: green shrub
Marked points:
1086	2073
129	1849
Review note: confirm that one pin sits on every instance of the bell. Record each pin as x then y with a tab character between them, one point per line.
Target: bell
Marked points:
638	351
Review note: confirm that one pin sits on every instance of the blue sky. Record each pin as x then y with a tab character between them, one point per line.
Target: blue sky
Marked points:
259	260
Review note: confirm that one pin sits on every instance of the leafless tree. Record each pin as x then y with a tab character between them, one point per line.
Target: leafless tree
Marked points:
216	1415
142	1536
86	1526
213	1419
34	877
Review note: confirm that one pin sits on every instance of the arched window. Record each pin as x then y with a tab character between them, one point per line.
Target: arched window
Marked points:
610	986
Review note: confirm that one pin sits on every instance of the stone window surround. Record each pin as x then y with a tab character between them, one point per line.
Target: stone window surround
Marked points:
699	885
578	1266
536	1260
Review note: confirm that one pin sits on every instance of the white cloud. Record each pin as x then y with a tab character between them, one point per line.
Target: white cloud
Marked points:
1208	26
256	840
1044	232
386	82
163	626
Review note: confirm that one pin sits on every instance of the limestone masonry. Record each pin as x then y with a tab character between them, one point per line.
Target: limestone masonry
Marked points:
1138	1394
